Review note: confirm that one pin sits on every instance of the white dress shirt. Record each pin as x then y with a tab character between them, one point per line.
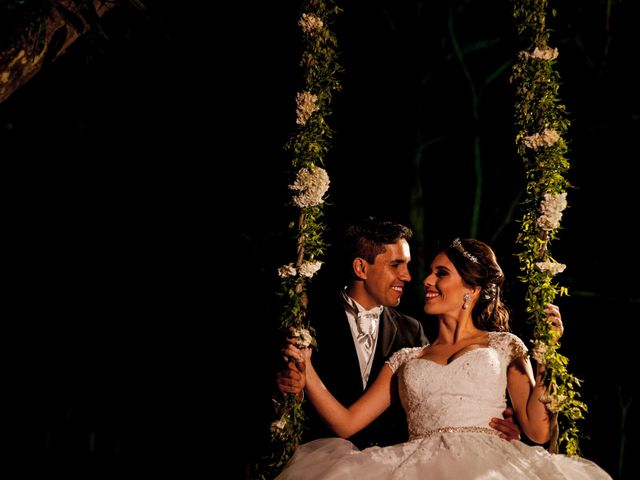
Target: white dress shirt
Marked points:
362	339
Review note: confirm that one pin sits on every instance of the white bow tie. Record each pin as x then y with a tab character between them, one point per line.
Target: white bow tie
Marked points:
368	321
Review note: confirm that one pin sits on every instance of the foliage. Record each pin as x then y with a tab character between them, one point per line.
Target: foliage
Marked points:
541	122
308	146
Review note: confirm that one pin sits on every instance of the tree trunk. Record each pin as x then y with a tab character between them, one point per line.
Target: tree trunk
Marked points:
33	38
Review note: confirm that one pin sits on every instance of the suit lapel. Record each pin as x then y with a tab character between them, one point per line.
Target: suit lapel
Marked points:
388	331
341	359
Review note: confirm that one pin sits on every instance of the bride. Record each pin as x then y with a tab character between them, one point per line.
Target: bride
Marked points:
449	389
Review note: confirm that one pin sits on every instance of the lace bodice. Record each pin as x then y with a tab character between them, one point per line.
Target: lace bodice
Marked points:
464	393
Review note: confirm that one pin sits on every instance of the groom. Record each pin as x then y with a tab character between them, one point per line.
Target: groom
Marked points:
359	328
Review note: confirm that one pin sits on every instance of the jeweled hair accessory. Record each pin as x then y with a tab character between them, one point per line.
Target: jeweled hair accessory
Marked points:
457	244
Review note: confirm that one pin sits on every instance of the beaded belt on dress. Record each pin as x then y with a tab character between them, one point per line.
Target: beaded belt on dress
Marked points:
456	430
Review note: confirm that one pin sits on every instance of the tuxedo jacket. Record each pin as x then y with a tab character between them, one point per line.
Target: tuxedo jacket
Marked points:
336	361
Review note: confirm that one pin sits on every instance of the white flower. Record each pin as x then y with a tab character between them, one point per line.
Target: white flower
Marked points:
277	428
538	352
305	106
545	53
553	402
311	185
541	54
310	23
552	206
287	271
304	337
309	268
547	138
551	266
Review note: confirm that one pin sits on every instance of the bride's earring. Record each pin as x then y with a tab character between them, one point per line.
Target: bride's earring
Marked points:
466	298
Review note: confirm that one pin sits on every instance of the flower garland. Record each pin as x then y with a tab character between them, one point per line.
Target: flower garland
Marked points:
541	121
308	146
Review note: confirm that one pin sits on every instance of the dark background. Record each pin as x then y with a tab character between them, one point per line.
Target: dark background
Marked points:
146	214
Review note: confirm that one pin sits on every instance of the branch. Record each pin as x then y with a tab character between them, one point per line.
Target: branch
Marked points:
37	37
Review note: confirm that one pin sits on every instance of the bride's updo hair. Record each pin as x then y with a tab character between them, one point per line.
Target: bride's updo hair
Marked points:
476	263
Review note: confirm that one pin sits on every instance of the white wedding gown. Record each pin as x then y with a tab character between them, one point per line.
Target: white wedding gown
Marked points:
448	411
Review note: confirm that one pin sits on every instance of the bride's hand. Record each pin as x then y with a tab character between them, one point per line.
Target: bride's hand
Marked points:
297	352
555	320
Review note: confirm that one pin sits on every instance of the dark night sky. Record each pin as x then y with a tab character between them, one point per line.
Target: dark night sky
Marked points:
147	211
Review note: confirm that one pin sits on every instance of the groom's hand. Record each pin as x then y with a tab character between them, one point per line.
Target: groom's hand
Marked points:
291	380
508	429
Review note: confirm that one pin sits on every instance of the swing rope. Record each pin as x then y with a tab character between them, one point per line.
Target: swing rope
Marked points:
308	147
541	123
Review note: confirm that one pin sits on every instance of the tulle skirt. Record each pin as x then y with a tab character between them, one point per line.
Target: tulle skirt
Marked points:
459	456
